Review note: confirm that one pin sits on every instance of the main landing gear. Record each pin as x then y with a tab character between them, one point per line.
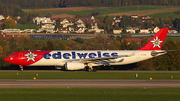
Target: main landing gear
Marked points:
90	69
21	67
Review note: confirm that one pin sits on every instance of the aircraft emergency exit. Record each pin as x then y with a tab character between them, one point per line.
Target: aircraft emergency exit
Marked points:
79	59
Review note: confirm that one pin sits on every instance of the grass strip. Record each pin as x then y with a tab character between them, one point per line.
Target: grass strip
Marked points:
88	75
78	94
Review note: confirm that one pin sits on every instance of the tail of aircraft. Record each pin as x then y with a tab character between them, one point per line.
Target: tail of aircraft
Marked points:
156	41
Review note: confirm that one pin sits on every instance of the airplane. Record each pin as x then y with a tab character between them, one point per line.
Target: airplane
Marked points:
87	59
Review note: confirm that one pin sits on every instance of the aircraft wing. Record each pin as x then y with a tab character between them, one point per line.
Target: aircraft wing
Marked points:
104	60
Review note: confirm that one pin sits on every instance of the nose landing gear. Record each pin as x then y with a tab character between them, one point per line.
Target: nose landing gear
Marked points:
21	67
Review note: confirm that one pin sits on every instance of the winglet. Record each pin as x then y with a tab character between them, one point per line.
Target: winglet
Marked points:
156	41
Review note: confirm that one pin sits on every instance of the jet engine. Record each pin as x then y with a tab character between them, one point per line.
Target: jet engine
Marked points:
74	66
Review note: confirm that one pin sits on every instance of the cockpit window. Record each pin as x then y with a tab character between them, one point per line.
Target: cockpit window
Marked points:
11	55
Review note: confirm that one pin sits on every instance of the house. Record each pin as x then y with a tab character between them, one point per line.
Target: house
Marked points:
45	24
134	17
172	30
80	22
79	30
2	17
117	20
11	31
29	30
136	28
97	31
130	31
155	30
63	30
94	23
136	40
48	26
39	20
18	17
65	22
49	21
145	20
117	31
144	31
88	17
4	36
146	17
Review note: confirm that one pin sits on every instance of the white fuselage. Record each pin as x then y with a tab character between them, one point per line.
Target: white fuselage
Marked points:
59	58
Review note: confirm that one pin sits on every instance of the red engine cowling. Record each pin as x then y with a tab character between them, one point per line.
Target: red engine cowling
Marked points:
74	66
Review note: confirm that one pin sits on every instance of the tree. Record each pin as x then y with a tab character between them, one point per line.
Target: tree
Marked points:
57	24
156	21
134	45
174	2
124	45
161	24
9	23
80	40
60	46
108	23
154	2
29	17
1	51
50	45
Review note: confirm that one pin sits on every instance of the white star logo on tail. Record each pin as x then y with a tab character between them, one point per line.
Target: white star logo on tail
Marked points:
30	56
156	42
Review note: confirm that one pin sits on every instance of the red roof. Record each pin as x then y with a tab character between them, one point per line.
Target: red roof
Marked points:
134	39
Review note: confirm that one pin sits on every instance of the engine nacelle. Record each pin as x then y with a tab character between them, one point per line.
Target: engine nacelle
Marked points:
74	66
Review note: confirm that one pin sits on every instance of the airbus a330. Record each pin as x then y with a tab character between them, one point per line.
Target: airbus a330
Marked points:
81	59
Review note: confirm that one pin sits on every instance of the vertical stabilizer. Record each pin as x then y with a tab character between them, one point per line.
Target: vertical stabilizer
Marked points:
156	41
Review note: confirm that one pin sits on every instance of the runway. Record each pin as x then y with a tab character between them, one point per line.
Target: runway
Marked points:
88	83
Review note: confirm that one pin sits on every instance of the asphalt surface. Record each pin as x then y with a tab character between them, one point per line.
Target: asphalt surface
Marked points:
88	83
86	71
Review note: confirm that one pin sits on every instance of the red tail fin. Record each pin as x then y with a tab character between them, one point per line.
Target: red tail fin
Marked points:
156	41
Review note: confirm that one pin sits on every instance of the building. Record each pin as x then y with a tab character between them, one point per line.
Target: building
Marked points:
2	17
11	31
117	31
172	30
130	31
144	31
155	30
136	40
4	36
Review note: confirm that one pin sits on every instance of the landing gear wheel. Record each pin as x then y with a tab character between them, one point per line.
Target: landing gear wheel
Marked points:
89	69
94	69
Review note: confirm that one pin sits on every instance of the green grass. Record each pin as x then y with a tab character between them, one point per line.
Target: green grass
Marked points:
88	75
107	10
110	10
27	10
26	26
76	94
161	15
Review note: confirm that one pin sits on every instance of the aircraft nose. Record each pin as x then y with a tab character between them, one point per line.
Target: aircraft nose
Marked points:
8	59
